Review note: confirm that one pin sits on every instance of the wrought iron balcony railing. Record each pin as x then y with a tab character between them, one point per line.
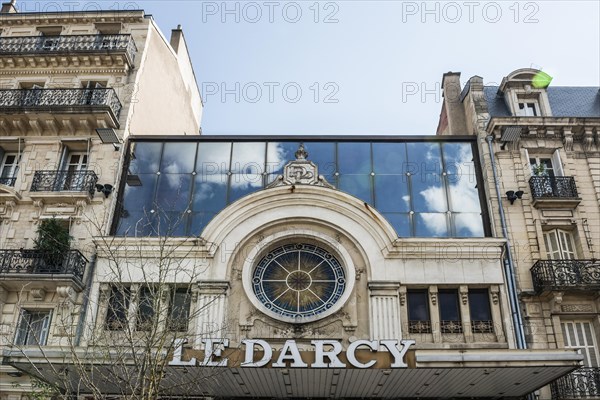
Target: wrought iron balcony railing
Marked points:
67	44
55	99
553	187
581	384
8	181
40	262
566	274
61	181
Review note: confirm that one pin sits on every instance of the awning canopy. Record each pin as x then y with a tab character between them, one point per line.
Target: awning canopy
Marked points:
437	374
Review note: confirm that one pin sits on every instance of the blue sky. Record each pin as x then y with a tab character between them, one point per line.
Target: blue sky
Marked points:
364	67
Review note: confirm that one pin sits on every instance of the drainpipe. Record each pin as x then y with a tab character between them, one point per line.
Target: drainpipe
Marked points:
86	299
509	270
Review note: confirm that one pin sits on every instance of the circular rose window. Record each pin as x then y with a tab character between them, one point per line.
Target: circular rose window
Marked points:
299	281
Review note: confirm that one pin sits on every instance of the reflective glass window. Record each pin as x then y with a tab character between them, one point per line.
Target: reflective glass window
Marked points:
173	192
213	158
389	158
178	158
391	193
322	154
248	157
431	225
279	154
357	185
145	157
354	157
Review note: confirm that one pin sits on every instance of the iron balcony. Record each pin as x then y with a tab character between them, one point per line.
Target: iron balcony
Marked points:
68	44
22	262
566	275
63	181
61	100
583	383
553	186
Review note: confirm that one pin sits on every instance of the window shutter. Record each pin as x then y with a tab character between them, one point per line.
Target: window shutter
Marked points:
580	335
556	164
552	246
566	245
45	329
21	335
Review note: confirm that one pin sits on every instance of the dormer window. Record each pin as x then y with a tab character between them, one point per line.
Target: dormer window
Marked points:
528	109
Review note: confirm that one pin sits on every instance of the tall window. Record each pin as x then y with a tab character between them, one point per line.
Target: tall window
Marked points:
579	334
33	328
179	310
75	163
481	313
418	311
118	306
9	169
449	311
145	310
541	166
559	245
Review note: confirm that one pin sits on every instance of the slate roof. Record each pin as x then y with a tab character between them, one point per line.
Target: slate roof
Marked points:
565	101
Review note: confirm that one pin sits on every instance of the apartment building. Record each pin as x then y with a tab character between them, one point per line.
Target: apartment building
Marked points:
540	146
73	87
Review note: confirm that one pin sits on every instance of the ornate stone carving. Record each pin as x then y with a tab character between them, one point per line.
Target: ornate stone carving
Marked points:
568	139
300	172
577	308
588	139
433	292
38	294
495	291
464	294
402	294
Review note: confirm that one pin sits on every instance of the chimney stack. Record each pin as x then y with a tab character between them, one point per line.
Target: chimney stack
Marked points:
9	8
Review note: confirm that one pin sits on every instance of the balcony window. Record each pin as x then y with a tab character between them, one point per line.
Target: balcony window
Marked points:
9	168
449	311
481	314
33	328
585	382
559	245
418	311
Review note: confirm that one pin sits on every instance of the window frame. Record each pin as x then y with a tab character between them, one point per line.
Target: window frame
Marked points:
450	325
418	325
24	327
481	325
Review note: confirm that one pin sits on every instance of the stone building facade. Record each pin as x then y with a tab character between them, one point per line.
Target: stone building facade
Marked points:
237	267
73	87
543	143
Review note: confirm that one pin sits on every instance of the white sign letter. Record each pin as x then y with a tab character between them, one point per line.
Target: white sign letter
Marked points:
177	354
320	354
212	347
350	353
397	353
290	346
249	361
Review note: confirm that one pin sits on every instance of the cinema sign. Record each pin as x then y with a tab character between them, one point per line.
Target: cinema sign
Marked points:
256	353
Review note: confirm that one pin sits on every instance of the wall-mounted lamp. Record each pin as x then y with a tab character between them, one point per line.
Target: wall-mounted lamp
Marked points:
511	195
107	189
109	135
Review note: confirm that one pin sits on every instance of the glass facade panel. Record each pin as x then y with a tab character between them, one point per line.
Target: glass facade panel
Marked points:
145	157
357	185
354	158
423	189
391	193
178	158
